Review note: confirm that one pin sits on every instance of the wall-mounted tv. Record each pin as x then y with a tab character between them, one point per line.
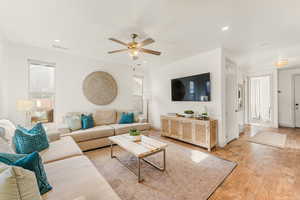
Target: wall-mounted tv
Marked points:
191	88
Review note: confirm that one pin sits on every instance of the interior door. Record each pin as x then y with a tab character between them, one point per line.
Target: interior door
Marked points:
232	129
297	101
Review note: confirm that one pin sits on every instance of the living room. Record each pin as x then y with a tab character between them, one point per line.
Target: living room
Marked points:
149	100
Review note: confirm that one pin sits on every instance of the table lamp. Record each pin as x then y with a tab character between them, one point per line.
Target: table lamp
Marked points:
25	106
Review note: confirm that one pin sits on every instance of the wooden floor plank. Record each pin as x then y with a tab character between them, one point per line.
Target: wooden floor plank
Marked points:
263	172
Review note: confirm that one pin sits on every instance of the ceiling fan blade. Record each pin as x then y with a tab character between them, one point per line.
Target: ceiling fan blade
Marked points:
146	42
117	51
150	51
118	41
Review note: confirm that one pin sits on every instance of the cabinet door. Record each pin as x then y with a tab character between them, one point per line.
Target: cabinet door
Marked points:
200	133
165	127
187	131
175	128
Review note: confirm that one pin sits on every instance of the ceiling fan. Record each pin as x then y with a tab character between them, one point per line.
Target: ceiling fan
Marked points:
135	48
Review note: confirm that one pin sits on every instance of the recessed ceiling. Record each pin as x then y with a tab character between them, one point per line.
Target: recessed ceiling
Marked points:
180	28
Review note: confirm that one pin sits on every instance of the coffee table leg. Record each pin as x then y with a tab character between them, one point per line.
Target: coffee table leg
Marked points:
111	150
139	170
156	166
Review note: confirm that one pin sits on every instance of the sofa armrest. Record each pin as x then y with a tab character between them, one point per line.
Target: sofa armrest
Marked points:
53	135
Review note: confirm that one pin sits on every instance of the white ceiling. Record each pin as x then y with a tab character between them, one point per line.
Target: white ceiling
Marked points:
181	28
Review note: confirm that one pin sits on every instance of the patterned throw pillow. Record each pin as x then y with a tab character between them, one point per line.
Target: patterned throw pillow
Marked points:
87	121
126	118
28	141
32	162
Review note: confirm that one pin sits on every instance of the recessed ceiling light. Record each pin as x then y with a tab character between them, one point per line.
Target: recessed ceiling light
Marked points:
56	40
225	28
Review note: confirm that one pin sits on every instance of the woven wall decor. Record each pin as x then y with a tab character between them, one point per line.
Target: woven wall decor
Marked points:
100	88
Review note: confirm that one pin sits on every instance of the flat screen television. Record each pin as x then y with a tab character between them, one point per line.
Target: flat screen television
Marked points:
191	88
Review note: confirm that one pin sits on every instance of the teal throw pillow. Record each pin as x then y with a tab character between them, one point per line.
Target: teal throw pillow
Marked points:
126	118
28	141
32	162
87	121
8	158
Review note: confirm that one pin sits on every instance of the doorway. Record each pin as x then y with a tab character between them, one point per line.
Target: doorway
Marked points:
297	100
260	102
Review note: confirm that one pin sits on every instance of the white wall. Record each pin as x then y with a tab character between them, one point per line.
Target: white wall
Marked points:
286	97
70	73
161	102
2	72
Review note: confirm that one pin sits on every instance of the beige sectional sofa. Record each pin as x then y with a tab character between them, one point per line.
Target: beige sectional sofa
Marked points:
71	174
106	125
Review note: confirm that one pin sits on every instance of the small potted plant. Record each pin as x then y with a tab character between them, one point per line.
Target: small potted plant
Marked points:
135	134
189	113
204	116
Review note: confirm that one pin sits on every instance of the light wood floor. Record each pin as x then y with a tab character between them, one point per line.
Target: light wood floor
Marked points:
263	172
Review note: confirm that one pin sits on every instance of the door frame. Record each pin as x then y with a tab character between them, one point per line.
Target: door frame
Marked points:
250	121
293	99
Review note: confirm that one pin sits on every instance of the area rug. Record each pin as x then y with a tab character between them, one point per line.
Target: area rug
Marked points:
190	174
269	138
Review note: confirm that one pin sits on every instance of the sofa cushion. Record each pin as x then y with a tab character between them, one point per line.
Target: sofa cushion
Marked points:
104	117
9	132
77	178
126	118
33	162
73	122
91	133
60	149
28	141
120	112
124	128
87	121
18	184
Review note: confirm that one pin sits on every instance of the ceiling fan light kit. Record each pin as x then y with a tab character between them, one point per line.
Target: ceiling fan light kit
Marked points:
282	62
135	48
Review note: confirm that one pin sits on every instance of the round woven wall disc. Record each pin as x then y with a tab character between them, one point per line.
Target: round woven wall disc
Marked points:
100	88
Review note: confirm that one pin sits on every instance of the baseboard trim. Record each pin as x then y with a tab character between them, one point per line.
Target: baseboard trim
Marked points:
289	125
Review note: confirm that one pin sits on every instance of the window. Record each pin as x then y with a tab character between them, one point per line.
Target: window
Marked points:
260	99
42	91
138	93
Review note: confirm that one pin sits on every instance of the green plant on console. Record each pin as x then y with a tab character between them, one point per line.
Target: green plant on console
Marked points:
189	112
134	132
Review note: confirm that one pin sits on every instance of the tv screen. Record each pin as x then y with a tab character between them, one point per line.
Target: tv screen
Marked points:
192	88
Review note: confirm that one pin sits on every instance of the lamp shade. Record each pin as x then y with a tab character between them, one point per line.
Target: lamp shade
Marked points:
24	105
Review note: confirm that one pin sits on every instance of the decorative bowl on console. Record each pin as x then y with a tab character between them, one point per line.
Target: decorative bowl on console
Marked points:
189	113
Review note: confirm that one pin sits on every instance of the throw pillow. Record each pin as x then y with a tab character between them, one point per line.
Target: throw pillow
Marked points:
8	158
32	162
126	118
18	184
73	122
87	121
28	141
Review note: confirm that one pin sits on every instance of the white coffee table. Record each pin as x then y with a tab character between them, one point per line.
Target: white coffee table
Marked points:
142	149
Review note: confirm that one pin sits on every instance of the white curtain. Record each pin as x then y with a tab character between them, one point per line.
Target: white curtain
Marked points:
260	98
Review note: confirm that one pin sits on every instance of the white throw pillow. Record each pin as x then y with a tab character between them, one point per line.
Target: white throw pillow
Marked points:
73	122
9	132
17	183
